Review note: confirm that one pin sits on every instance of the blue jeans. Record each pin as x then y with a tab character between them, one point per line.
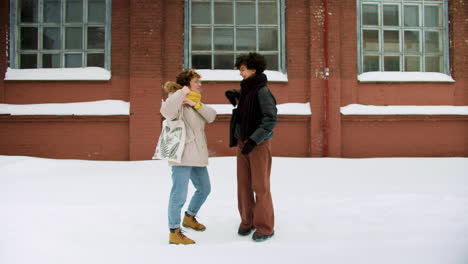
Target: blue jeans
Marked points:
180	179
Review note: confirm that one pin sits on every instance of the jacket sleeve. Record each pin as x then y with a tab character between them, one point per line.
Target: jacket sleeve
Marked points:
170	108
208	113
268	112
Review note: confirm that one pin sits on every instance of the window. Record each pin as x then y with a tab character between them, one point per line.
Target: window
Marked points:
60	33
403	36
220	30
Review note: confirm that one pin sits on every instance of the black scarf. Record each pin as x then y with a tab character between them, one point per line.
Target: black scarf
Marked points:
247	108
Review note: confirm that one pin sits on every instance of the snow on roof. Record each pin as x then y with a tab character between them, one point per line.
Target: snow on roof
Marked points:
358	109
62	74
96	108
404	77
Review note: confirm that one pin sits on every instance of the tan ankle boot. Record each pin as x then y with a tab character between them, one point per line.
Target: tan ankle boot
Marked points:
191	221
179	238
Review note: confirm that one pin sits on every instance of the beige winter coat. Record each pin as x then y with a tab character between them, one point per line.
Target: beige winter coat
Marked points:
195	151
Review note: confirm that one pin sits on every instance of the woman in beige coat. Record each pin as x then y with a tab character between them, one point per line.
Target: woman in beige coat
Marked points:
185	95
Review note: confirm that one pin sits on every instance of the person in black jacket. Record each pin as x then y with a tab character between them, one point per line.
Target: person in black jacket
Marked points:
251	130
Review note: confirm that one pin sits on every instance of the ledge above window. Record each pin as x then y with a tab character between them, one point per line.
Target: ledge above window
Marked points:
404	77
233	75
62	74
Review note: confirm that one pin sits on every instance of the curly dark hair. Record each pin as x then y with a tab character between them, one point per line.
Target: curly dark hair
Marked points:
186	76
252	60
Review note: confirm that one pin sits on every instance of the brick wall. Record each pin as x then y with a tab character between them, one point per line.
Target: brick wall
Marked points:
66	137
148	49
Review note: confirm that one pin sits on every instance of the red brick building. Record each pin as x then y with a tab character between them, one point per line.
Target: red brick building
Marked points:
328	53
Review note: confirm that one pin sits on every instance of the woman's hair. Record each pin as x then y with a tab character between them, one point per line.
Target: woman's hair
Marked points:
171	87
183	79
252	60
186	76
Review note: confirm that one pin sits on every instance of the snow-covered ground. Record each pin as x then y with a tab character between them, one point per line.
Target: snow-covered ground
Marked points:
352	211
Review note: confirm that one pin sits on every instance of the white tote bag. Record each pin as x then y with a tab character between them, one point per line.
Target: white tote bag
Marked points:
171	141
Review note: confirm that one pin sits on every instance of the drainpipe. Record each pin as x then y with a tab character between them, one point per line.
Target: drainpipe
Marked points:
326	75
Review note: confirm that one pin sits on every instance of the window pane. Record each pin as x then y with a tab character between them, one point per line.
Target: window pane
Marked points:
73	38
391	63
272	62
432	16
434	64
96	37
72	60
28	38
201	13
223	13
29	11
412	42
201	39
267	13
224	61
371	63
223	39
245	13
96	11
28	61
370	40
52	11
412	63
51	61
390	15
412	16
268	39
370	15
391	41
245	39
96	60
201	61
433	41
74	11
51	38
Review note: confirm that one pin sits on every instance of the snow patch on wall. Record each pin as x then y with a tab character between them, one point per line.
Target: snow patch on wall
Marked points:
283	109
404	77
358	109
62	74
118	107
233	75
96	108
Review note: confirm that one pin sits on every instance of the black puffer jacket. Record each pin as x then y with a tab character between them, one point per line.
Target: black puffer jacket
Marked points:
266	116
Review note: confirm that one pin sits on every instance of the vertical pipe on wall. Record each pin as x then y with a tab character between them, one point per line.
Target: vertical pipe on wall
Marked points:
326	74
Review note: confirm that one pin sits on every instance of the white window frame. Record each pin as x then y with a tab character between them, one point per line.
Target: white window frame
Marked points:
233	75
402	76
88	73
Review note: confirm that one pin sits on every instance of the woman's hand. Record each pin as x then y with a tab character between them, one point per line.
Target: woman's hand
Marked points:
189	102
185	90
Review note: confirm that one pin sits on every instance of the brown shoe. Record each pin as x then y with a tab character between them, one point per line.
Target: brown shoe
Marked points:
259	237
179	238
191	221
245	231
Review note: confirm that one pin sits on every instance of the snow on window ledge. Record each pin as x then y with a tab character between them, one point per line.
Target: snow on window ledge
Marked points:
233	75
404	77
94	108
358	109
283	109
56	74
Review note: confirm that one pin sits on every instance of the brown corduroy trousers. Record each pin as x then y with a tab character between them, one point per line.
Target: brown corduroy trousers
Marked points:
253	178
